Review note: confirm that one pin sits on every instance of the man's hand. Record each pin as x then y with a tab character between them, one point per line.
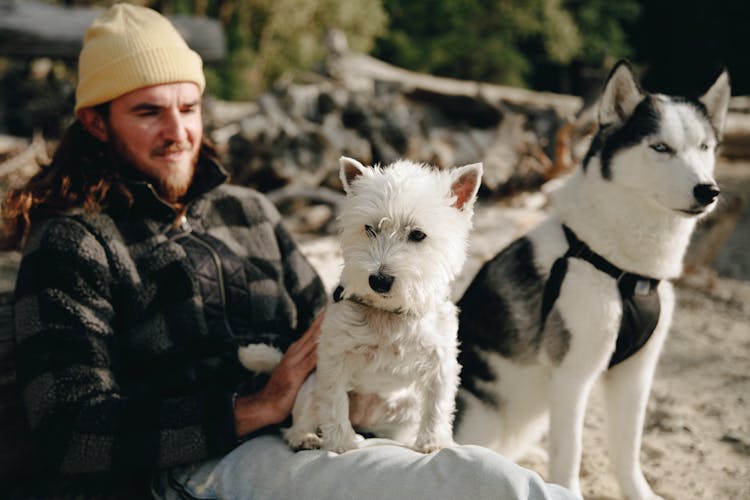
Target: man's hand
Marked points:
272	404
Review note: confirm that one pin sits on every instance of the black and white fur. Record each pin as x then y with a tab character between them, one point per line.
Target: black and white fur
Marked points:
645	182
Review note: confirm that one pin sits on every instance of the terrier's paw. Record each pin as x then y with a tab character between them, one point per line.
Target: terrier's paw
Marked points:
341	442
307	442
431	445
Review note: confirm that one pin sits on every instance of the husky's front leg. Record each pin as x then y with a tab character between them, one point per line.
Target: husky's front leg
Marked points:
568	397
331	393
436	426
627	388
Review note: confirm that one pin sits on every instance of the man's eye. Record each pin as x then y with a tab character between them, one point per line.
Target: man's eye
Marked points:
370	231
417	235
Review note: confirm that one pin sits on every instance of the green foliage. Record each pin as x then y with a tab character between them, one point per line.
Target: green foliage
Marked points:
502	40
515	42
602	22
269	39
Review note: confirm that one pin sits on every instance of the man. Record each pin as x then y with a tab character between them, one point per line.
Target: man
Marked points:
141	276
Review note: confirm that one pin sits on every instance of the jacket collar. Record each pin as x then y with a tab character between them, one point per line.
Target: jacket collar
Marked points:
209	174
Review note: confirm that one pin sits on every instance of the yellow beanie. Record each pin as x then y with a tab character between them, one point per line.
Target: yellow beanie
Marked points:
131	47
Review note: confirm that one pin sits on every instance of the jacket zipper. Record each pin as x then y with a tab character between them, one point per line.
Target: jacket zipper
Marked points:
188	233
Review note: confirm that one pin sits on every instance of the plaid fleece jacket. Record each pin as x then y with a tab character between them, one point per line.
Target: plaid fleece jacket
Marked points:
127	327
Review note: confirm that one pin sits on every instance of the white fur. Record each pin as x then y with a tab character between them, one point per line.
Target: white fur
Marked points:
399	345
634	221
259	358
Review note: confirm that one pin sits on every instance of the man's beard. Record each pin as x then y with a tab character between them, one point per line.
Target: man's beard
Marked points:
171	188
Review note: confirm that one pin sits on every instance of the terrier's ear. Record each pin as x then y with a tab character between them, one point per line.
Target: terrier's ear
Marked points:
94	123
350	170
716	101
465	184
620	96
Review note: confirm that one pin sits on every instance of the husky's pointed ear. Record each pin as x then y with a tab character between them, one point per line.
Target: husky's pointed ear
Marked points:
350	170
716	101
465	182
620	96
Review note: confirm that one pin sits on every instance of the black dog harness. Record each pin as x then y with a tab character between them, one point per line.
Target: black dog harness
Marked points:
640	301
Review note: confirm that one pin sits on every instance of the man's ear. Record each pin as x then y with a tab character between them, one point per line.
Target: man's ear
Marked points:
94	123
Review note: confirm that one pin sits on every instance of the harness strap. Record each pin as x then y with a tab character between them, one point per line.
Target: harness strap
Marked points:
640	302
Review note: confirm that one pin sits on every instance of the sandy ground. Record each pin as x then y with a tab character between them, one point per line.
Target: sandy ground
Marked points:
696	441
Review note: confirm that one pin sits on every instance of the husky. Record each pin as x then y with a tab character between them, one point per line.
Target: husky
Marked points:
585	295
390	335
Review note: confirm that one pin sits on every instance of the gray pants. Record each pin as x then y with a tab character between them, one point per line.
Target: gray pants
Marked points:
265	468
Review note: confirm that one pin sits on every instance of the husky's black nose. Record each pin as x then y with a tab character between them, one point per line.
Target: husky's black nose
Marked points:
381	283
706	193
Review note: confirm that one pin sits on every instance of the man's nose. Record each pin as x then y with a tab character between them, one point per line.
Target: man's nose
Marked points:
174	127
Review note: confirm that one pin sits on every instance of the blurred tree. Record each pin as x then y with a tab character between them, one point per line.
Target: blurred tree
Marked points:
267	39
477	39
603	25
546	44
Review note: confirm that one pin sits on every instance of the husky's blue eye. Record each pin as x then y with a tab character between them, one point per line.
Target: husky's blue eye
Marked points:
417	235
660	147
370	231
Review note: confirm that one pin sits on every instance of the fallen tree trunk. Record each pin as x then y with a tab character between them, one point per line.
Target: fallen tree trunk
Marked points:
359	72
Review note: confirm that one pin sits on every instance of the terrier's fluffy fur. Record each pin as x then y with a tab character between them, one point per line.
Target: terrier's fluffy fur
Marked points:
392	333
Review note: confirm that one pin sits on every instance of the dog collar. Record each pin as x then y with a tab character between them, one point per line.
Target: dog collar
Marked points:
640	300
338	296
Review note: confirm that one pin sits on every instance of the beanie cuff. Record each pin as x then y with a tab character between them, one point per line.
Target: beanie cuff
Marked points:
144	68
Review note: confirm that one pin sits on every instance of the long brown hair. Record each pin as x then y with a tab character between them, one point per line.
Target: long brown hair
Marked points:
82	174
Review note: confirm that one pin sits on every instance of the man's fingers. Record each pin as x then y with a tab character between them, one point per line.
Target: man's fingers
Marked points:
309	338
313	332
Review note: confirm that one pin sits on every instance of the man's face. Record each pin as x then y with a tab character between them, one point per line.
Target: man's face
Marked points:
158	131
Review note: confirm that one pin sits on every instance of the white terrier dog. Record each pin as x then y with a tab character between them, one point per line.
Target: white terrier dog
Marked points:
390	335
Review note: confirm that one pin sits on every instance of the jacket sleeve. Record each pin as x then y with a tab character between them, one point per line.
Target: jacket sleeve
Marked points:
67	367
300	278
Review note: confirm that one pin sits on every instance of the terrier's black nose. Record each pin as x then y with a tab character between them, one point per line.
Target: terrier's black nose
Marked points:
706	193
381	283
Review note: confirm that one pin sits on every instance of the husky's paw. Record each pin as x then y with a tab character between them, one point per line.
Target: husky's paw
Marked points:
645	496
640	491
536	454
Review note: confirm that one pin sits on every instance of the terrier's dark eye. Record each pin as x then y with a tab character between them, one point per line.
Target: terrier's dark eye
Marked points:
417	235
704	146
660	147
370	231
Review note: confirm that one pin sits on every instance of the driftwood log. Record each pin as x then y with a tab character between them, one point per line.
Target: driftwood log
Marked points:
36	29
360	72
